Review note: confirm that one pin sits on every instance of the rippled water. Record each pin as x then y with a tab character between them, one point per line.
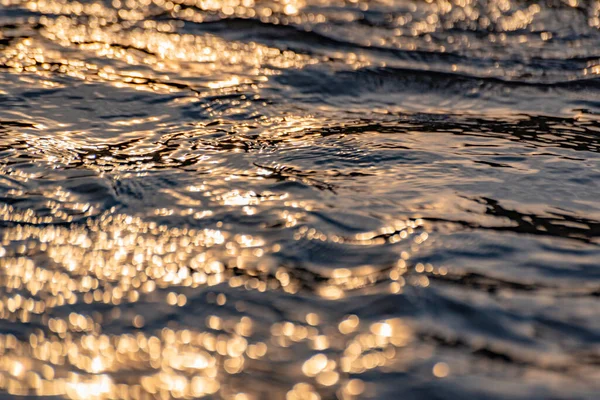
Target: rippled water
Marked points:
300	199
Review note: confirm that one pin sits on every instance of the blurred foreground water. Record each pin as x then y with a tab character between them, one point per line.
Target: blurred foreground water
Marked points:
300	199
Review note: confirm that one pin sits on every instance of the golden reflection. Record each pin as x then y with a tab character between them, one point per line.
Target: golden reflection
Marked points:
196	60
119	260
101	303
441	370
94	295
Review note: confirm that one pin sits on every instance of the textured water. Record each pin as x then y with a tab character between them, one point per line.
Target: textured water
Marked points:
300	199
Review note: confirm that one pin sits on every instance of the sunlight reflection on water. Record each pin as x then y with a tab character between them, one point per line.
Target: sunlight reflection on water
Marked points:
311	199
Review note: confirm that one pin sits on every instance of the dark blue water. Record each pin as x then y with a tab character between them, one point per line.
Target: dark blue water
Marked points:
300	199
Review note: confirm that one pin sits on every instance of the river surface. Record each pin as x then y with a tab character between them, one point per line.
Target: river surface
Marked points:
300	199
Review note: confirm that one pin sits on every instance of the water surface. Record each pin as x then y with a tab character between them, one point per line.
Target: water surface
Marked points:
300	199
